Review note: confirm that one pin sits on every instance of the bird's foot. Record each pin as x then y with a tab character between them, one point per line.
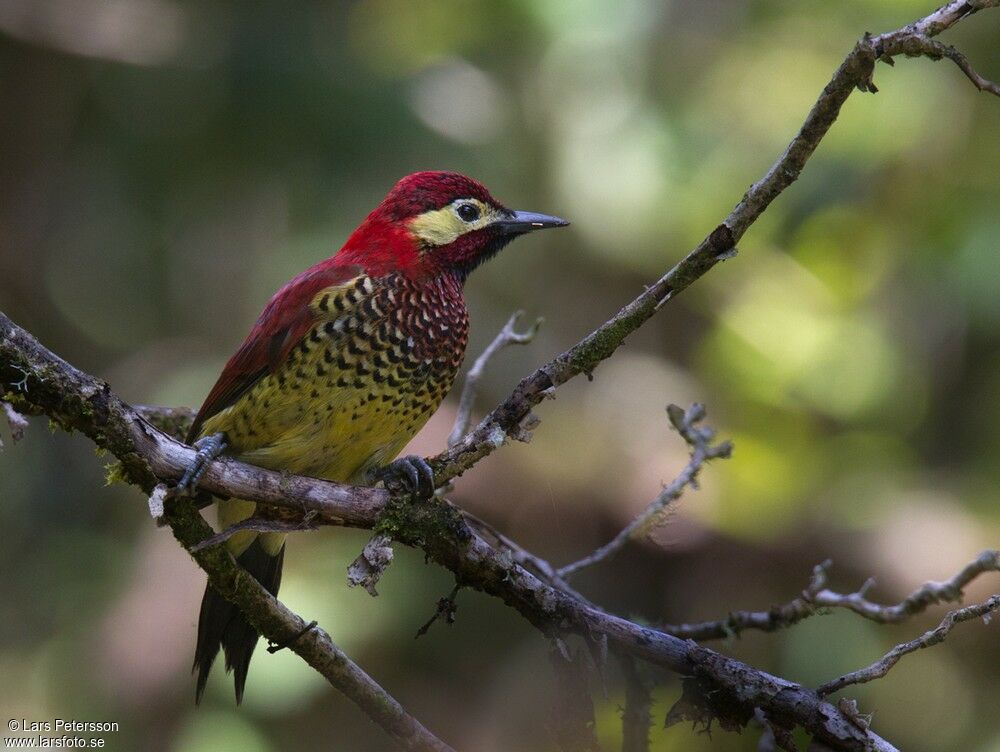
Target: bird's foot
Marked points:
411	474
209	448
274	647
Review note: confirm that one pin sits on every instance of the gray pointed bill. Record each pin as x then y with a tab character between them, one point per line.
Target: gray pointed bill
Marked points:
520	222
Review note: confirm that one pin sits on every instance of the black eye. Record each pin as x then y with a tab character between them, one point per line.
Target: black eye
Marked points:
468	212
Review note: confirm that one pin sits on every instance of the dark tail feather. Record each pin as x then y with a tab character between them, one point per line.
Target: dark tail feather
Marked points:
221	624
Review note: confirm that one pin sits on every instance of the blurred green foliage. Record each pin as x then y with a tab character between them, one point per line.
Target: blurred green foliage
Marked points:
167	164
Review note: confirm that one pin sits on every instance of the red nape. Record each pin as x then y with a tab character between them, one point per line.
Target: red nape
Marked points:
380	247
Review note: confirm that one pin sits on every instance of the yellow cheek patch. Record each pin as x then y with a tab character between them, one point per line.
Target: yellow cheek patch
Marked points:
443	226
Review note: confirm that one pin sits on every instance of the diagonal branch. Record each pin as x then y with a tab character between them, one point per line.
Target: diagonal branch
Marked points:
521	556
882	666
699	438
636	718
855	73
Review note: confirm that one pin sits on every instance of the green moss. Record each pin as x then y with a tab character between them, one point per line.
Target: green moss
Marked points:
418	522
602	343
114	472
86	411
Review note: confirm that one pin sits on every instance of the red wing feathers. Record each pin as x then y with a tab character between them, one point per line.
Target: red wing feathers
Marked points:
282	324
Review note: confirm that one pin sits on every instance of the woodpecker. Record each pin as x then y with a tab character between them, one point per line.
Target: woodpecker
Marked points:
344	365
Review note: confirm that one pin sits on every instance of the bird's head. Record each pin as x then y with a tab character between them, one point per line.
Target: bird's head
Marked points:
438	221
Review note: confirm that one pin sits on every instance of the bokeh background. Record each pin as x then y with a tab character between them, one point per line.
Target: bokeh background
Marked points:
166	164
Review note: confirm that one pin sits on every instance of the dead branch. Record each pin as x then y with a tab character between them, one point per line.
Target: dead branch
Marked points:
882	666
921	44
699	438
816	597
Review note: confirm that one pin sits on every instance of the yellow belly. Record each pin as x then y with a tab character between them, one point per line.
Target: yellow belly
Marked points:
350	394
312	426
315	427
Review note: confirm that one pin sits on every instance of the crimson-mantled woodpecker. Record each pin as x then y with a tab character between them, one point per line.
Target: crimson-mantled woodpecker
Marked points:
344	365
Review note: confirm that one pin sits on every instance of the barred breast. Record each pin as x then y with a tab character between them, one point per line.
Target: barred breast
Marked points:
379	360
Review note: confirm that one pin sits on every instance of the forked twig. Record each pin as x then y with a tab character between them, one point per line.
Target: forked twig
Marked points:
699	438
882	666
467	402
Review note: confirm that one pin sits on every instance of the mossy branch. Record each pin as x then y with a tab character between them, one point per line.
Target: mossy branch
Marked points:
77	401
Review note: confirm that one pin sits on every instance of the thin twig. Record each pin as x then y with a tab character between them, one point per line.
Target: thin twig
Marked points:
571	718
699	438
257	525
924	596
882	666
921	44
506	337
445	611
521	556
636	717
173	421
816	597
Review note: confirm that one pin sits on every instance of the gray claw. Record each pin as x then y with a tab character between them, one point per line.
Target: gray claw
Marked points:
412	473
426	473
209	448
